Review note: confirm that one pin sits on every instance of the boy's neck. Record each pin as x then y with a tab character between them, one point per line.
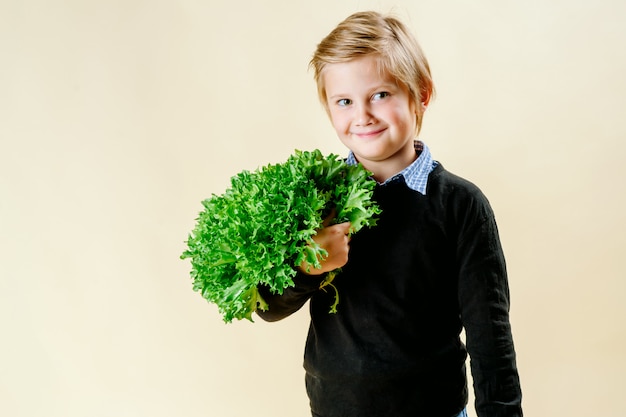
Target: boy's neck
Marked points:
383	170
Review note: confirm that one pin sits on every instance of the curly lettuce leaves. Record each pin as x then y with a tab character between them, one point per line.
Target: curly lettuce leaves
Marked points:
262	226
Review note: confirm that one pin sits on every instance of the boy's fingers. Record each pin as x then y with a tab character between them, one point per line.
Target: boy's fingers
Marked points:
345	227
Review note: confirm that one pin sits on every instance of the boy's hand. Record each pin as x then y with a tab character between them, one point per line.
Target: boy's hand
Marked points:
334	239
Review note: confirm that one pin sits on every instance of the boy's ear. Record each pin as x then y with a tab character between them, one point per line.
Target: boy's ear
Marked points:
425	99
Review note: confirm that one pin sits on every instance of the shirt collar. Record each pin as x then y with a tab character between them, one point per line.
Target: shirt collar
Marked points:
416	174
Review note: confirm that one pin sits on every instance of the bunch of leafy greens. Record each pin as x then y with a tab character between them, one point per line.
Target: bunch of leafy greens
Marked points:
262	226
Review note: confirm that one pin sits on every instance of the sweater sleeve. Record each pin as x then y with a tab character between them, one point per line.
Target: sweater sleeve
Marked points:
484	303
292	298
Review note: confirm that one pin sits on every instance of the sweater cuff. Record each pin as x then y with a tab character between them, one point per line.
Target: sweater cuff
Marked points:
308	283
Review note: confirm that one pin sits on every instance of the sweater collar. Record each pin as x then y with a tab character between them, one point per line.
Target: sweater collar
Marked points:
415	175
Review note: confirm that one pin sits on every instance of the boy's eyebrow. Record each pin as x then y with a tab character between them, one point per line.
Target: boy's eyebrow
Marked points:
334	96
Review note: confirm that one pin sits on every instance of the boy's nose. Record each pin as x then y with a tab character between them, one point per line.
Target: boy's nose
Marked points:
363	116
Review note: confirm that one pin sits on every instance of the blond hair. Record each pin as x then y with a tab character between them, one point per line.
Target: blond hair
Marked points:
399	54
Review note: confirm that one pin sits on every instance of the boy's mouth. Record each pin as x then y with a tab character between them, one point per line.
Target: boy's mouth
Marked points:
368	135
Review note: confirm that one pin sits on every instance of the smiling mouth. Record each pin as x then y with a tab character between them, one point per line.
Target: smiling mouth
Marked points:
367	135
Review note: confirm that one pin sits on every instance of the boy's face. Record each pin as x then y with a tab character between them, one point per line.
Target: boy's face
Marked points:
372	115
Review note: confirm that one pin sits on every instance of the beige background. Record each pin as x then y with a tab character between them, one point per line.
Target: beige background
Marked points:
118	117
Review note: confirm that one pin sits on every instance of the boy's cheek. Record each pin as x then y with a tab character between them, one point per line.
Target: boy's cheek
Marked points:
340	123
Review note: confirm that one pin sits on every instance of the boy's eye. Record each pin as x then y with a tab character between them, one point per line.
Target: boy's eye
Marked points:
344	102
381	95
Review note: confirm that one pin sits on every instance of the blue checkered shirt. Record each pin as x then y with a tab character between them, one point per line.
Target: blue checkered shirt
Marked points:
416	174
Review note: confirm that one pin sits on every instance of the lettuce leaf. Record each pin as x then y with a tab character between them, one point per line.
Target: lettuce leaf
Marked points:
262	226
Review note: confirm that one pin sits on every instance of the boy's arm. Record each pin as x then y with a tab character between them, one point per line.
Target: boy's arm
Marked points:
292	298
334	239
484	301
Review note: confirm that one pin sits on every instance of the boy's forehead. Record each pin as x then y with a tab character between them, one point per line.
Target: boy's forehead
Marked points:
365	72
364	63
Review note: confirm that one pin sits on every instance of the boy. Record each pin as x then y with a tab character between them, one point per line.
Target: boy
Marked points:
431	266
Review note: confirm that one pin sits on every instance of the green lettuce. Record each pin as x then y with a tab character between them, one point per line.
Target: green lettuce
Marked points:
261	227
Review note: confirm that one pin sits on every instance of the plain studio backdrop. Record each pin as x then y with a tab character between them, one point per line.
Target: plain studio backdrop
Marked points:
117	118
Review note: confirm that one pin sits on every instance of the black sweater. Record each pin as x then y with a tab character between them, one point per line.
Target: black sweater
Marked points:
432	265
